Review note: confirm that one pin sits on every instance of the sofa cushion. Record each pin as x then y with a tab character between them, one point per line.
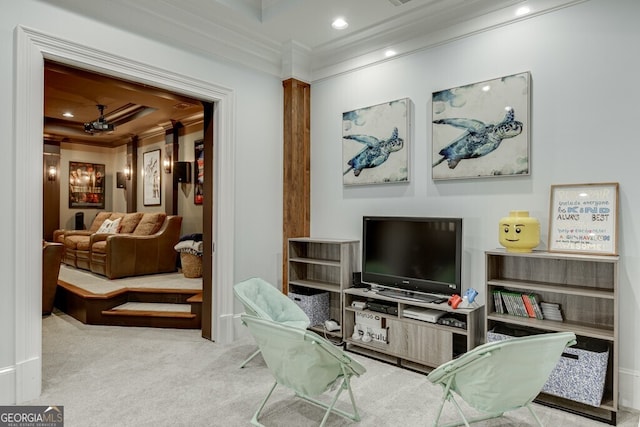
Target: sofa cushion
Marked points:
150	223
77	242
99	247
98	220
116	215
83	245
130	222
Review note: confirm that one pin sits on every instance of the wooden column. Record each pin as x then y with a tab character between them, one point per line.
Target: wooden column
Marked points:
296	186
172	152
131	194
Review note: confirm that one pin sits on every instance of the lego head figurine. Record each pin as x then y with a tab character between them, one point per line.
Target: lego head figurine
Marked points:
518	232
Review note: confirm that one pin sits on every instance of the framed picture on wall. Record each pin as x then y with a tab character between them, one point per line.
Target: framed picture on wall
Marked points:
151	189
583	218
482	129
86	185
198	188
375	144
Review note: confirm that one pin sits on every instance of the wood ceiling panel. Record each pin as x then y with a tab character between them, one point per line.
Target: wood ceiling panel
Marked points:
68	89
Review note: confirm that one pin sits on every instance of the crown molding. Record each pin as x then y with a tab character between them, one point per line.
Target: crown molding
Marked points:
420	28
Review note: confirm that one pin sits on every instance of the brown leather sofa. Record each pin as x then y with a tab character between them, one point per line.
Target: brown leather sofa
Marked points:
77	241
137	253
51	258
143	245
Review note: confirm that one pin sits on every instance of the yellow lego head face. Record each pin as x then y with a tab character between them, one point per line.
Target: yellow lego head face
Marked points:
519	232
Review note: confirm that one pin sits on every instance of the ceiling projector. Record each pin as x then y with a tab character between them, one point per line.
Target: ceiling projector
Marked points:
100	124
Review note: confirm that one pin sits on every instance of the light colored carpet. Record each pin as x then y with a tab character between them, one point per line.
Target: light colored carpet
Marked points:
112	376
101	285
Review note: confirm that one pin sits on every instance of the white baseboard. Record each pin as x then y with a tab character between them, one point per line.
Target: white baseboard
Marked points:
8	385
21	383
629	387
29	380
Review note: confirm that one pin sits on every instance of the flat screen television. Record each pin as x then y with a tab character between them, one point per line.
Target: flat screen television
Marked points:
413	255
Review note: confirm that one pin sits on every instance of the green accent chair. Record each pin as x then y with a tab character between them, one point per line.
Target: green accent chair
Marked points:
306	363
261	299
500	376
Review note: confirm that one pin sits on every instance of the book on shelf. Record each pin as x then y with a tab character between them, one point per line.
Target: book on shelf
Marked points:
497	302
517	304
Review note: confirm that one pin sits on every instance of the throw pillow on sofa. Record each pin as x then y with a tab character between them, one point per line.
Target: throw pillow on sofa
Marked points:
130	222
99	220
150	224
109	227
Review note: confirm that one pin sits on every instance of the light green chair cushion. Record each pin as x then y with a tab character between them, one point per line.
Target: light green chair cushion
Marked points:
305	363
263	300
300	359
501	376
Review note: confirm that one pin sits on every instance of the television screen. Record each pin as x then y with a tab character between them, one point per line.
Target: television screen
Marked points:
421	255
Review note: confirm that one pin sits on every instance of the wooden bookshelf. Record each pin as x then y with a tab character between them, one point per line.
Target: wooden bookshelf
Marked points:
585	286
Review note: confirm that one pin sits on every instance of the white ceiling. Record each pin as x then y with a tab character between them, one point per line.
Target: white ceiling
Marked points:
294	38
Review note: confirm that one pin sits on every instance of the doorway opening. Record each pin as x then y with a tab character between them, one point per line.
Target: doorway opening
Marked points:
140	118
32	48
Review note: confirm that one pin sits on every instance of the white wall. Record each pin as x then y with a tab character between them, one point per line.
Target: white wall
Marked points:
584	67
256	101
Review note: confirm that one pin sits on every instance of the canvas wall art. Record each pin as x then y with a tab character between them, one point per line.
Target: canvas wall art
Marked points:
198	191
86	185
482	129
151	182
375	144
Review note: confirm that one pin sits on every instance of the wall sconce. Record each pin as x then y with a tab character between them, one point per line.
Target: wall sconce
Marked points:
52	172
167	164
127	172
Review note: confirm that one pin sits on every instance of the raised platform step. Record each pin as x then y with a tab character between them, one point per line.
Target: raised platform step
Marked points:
151	310
150	307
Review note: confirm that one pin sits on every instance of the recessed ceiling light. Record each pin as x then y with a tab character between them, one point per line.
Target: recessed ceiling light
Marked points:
486	88
339	24
523	10
67	114
389	53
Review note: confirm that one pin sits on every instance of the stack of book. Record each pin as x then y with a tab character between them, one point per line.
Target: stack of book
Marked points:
517	304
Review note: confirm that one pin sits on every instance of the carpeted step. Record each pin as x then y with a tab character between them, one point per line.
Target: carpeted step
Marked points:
145	309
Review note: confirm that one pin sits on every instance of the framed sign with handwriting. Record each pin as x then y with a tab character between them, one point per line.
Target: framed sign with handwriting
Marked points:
583	218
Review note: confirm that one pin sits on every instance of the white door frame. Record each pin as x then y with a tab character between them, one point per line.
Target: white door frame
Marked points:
32	48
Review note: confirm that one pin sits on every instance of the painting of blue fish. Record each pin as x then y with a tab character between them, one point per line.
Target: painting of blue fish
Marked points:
482	129
375	144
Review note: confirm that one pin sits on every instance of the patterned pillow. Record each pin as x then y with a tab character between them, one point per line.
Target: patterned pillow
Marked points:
109	227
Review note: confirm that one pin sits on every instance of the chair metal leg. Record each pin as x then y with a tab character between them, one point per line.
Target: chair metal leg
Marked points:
356	415
254	420
249	359
330	407
530	408
447	395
